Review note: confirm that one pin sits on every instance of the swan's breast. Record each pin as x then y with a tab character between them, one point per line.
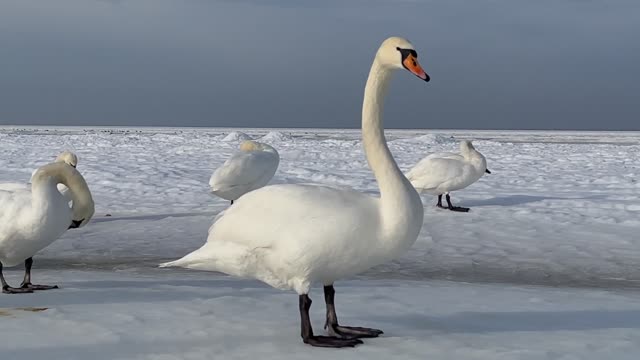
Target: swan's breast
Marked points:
26	229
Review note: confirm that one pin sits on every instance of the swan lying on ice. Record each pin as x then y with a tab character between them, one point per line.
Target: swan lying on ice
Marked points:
32	218
441	173
251	168
293	235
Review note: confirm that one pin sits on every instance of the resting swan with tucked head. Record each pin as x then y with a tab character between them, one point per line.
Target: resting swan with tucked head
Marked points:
65	157
441	173
68	157
31	219
293	235
71	159
250	168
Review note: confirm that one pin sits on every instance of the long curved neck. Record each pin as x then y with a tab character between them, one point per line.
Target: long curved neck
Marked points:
400	203
269	148
50	175
388	175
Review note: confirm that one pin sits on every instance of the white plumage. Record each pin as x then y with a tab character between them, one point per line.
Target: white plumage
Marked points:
248	169
442	173
69	158
290	236
66	157
33	217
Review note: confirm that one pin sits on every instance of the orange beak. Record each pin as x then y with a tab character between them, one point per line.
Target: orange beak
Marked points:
411	63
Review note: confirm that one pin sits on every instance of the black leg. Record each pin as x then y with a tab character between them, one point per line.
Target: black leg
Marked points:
231	202
26	283
320	341
455	208
439	204
344	331
11	290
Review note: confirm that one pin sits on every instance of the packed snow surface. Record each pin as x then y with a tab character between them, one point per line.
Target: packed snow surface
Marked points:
275	136
545	266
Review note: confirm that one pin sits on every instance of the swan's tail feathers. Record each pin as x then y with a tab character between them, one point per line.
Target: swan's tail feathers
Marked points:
175	263
190	261
228	258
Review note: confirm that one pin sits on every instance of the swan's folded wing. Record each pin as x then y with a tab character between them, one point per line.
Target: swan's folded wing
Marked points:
298	208
243	169
430	173
14	198
445	155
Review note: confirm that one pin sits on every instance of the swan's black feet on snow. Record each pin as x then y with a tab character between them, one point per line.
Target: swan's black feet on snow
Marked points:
354	332
454	208
33	287
331	341
450	205
12	290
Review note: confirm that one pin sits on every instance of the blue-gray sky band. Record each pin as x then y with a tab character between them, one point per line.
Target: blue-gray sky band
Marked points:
501	64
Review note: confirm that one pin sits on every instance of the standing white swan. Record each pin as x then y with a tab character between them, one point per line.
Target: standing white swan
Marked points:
31	219
290	236
441	173
248	169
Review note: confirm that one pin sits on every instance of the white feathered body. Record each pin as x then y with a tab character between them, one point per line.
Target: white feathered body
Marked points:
27	225
291	236
243	172
62	188
321	234
440	173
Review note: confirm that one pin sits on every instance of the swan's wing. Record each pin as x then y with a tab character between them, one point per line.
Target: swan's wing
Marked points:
14	198
244	168
301	218
430	173
303	206
445	155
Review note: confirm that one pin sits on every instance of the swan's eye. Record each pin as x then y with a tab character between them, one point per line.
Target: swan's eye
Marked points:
408	53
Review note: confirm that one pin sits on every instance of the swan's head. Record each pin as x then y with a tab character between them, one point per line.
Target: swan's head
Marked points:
399	53
250	145
68	157
467	149
466	146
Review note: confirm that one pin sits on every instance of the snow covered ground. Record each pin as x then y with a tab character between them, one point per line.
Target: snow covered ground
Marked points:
545	266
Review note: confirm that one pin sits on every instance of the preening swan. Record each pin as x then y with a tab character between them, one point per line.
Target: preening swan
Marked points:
248	169
68	157
71	159
441	173
292	235
31	219
65	157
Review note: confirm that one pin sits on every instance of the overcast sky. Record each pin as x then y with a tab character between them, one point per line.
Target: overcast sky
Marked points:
494	64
